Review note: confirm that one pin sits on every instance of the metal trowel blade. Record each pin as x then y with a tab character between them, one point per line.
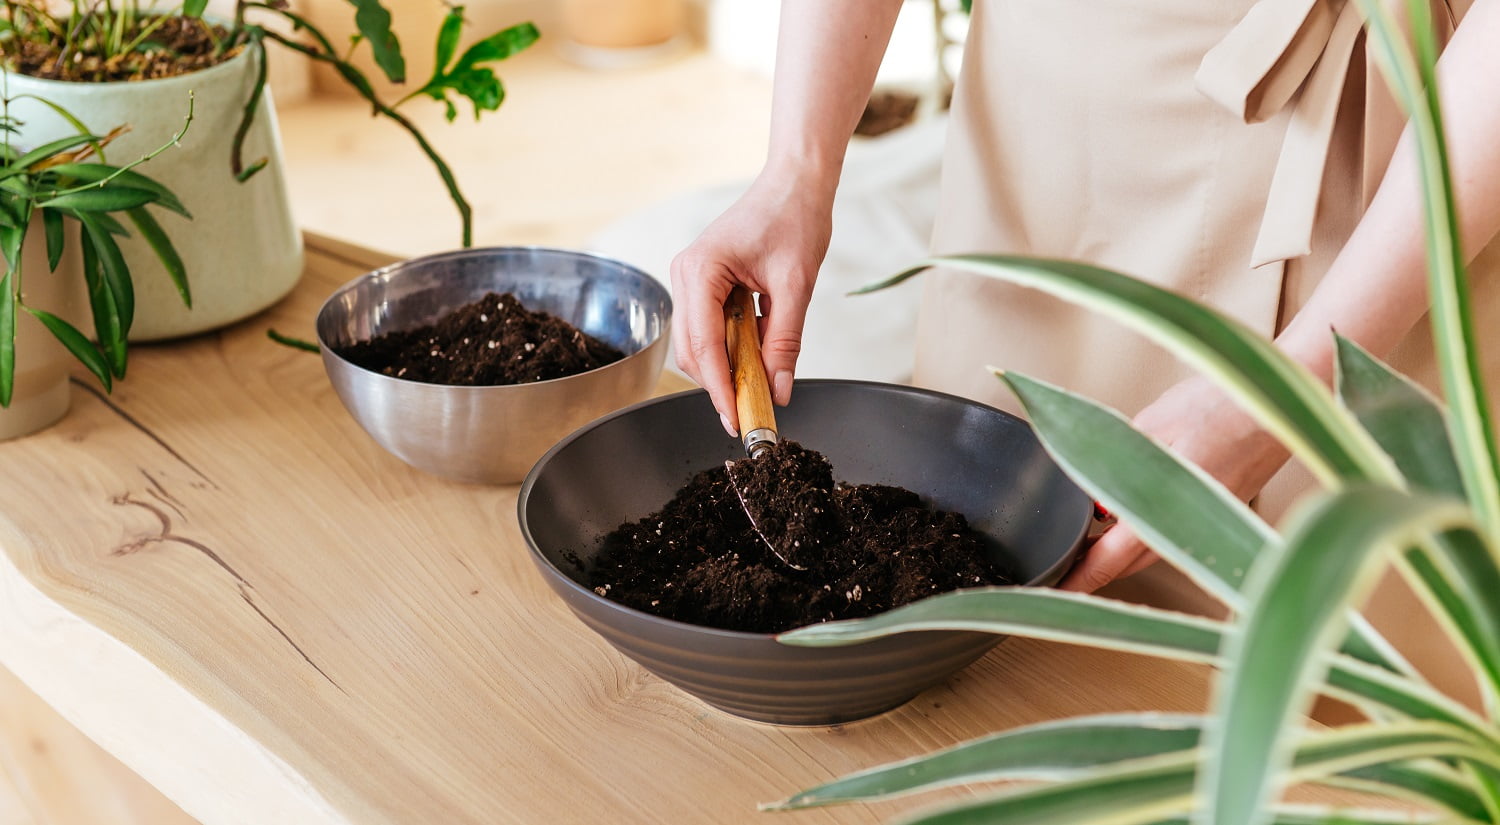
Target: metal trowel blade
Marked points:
787	493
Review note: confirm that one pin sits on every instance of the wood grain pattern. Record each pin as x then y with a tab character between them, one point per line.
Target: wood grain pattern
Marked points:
752	392
217	576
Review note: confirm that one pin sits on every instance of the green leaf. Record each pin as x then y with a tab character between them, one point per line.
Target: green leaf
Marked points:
82	348
481	87
52	226
1275	660
1035	612
106	199
1150	488
1050	751
447	41
194	8
72	120
1075	618
7	334
116	272
374	22
1402	418
46	150
1069	749
117	177
11	237
152	232
294	343
1414	81
499	46
1156	789
1282	395
106	315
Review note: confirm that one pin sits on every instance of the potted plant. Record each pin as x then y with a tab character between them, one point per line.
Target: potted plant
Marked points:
1407	481
114	62
63	213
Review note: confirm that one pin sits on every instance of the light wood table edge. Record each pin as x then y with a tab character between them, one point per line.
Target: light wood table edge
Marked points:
254	787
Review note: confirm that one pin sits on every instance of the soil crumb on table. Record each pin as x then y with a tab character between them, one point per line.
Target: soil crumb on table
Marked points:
699	560
492	341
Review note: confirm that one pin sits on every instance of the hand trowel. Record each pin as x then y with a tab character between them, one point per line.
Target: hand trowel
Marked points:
786	491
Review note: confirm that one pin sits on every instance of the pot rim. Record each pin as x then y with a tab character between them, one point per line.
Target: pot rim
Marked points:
524	495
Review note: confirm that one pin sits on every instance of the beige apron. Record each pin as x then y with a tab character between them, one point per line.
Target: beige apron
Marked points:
1220	148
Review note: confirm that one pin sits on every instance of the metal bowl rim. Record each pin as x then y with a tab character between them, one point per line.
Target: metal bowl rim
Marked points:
740	635
395	268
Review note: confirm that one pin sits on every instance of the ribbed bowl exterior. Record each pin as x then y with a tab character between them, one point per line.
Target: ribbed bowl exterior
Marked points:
958	454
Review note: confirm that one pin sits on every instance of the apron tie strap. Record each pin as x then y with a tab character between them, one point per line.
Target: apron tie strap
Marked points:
1277	49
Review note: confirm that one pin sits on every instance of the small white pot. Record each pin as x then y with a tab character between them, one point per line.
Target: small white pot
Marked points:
241	250
41	393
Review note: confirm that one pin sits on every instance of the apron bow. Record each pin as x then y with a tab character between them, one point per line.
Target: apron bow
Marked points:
1281	47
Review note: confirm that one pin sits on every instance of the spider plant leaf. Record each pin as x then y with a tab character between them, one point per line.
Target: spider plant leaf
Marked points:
112	265
1400	415
1297	603
1050	751
1282	395
107	326
154	236
1034	612
84	173
374	22
77	343
1067	749
52	229
194	8
104	199
1413	78
1149	487
1159	788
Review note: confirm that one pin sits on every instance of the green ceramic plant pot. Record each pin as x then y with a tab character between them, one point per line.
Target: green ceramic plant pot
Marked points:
242	250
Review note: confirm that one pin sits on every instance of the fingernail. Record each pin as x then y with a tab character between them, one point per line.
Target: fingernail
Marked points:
728	428
783	385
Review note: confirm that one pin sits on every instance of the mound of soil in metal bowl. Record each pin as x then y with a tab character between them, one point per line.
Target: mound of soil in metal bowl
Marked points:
489	342
700	560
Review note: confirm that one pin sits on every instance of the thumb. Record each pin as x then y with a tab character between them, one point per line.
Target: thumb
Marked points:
781	343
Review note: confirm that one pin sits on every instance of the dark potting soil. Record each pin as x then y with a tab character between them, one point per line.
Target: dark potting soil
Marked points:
869	548
173	46
491	341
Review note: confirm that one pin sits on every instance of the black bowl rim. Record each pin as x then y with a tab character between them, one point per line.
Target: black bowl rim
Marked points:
542	561
666	295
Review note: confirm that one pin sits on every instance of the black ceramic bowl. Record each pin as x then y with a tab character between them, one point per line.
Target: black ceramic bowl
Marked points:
958	454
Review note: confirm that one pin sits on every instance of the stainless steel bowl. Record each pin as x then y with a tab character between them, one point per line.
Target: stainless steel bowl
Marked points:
494	434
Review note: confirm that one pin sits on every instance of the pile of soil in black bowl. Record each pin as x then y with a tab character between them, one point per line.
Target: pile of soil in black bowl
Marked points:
489	342
699	560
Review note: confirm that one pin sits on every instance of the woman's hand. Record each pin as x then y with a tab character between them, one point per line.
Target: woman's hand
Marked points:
772	241
1199	423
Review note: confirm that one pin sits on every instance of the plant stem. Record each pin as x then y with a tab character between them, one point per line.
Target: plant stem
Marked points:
188	121
236	152
294	343
362	85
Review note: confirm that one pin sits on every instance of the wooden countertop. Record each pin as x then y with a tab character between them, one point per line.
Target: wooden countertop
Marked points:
216	575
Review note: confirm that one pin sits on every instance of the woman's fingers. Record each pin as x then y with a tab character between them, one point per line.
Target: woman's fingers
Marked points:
698	327
1116	554
781	342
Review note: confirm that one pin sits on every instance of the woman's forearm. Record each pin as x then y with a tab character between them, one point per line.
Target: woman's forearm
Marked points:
827	54
1376	290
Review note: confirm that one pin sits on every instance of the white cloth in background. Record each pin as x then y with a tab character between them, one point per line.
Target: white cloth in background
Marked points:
882	223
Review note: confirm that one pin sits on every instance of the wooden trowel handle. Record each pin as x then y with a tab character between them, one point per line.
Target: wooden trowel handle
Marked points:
752	392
